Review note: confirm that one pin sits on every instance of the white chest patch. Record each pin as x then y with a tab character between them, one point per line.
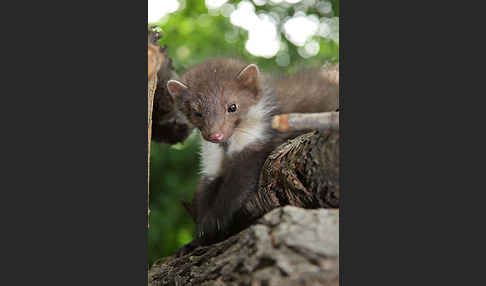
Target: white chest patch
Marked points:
212	156
252	129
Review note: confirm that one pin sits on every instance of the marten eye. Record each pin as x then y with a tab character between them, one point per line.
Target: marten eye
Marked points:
232	108
198	114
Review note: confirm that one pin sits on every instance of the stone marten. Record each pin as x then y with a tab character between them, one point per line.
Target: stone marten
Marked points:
232	103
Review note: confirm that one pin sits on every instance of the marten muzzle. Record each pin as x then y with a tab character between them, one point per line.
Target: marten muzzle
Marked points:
216	137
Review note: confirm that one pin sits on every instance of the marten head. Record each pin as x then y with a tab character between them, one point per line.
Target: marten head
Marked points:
216	96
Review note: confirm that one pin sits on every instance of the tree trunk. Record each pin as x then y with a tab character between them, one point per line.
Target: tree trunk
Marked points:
288	246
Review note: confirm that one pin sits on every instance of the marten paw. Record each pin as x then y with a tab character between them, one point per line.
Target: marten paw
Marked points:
212	228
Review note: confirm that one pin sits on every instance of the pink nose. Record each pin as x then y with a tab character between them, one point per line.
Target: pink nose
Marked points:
216	136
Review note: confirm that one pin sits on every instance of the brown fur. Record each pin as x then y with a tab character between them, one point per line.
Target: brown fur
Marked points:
233	166
307	91
212	87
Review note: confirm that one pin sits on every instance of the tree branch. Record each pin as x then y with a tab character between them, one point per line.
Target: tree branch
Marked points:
306	121
155	61
169	125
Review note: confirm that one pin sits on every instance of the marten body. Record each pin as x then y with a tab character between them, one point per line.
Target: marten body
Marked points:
232	103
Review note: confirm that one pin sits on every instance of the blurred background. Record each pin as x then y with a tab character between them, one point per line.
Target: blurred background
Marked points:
278	35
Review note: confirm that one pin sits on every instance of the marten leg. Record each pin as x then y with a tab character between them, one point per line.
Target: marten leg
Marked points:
228	204
239	185
202	201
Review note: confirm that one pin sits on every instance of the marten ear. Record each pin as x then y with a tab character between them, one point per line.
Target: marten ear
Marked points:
249	76
175	87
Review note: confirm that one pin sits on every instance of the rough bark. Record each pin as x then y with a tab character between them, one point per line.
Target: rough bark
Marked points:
303	172
288	246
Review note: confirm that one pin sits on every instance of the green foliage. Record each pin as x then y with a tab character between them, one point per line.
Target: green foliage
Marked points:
173	178
194	34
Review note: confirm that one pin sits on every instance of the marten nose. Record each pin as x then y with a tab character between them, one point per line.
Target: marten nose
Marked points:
216	136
